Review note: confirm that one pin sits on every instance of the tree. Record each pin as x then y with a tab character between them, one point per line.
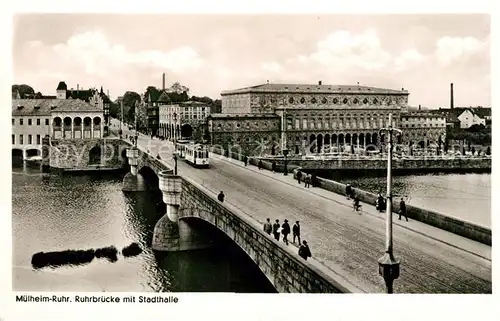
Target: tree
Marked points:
155	92
25	91
129	100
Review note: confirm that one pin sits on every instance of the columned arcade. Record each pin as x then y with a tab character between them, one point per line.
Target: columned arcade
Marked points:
86	126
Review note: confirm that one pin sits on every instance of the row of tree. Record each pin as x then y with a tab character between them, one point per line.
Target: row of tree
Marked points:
476	134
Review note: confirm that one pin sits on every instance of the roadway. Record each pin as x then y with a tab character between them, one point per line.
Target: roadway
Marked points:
343	242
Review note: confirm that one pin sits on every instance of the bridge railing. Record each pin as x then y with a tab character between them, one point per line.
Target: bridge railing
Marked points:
460	227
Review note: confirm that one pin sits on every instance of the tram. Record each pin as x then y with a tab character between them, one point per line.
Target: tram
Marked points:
180	147
196	155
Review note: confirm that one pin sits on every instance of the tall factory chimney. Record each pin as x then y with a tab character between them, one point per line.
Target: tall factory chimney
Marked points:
451	96
163	82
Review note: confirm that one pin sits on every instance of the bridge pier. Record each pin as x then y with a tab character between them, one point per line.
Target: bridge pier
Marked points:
171	234
133	181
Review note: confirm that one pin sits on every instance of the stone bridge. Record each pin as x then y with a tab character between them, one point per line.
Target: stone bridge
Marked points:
188	202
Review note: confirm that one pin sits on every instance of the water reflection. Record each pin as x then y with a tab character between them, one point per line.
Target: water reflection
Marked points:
59	212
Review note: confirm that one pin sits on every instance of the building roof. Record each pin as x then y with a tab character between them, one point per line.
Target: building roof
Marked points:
62	86
215	116
80	94
420	113
45	106
312	88
482	111
164	98
193	103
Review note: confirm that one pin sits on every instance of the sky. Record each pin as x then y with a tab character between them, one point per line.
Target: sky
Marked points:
211	53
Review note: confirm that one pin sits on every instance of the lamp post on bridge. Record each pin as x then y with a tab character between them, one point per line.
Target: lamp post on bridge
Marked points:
285	153
388	264
175	162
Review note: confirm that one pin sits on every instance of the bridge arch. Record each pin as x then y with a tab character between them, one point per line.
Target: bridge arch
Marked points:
95	155
150	176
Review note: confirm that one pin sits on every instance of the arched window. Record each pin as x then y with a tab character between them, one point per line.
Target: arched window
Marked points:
375	101
290	100
365	101
313	100
323	100
302	100
345	101
355	100
335	101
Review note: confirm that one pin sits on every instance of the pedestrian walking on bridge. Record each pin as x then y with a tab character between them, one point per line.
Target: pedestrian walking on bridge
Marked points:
245	159
307	180
276	230
304	251
296	231
299	176
402	209
268	228
285	230
260	164
221	196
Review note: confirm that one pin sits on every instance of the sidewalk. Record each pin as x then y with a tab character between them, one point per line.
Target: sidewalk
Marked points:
434	233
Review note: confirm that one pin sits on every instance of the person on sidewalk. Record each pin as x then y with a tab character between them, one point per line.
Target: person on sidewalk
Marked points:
380	203
356	206
296	231
221	196
285	230
260	164
402	209
299	176
276	230
307	180
268	228
314	181
348	191
273	166
304	251
245	159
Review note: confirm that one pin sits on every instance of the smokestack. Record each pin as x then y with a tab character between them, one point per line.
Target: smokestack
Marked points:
320	82
163	83
451	96
419	107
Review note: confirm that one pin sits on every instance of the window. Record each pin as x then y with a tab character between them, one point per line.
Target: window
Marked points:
323	100
375	101
355	100
365	101
21	121
345	101
38	121
30	139
13	121
29	121
302	100
335	100
313	100
21	139
13	139
38	139
290	100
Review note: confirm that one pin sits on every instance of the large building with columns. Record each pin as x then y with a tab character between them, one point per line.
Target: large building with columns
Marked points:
33	119
312	118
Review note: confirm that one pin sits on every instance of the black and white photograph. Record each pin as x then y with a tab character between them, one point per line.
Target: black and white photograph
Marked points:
246	153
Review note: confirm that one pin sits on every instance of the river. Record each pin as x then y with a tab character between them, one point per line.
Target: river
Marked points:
59	212
463	196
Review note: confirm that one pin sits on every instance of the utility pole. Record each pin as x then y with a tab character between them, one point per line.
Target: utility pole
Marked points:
388	264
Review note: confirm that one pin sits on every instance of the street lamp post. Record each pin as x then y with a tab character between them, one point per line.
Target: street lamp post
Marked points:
388	264
175	162
285	153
